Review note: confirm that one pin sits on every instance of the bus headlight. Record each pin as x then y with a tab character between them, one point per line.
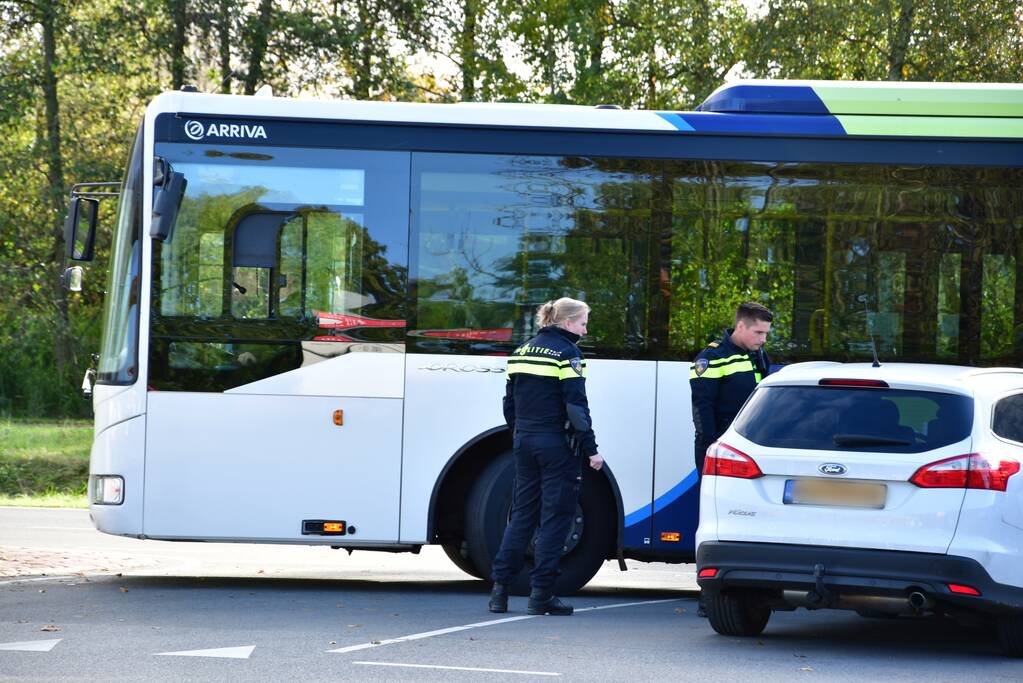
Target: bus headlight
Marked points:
107	489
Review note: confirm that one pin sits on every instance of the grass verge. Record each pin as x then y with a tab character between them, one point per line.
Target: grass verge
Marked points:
44	463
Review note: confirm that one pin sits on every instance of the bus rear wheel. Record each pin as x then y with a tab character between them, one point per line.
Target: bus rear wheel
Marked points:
588	543
458	553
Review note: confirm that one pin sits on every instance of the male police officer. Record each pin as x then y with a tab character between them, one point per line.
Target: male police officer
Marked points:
723	376
725	373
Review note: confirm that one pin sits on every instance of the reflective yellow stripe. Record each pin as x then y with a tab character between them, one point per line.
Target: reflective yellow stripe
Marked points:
570	373
533	369
730	359
722	370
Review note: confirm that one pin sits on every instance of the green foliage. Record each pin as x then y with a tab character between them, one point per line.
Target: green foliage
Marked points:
50	457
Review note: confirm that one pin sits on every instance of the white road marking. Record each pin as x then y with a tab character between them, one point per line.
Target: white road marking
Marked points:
481	624
461	668
242	652
31	645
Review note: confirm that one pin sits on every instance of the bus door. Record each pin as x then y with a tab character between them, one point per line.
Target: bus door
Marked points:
276	363
674	514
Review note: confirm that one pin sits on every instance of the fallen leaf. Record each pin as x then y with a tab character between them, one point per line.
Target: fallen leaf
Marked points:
261	572
50	628
333	642
42	590
354	625
806	668
680	610
123	589
375	642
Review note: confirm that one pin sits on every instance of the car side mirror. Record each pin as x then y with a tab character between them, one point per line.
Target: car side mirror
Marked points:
80	229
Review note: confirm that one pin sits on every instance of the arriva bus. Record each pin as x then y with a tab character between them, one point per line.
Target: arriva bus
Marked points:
310	303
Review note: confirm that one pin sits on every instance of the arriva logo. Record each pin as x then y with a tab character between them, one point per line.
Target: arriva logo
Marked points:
197	131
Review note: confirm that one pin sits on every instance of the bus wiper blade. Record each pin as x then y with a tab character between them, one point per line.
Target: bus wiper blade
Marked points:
867	440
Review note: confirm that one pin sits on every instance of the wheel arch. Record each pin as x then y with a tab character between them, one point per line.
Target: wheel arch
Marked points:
446	515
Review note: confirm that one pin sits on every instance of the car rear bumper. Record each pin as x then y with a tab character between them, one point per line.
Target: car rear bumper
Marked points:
833	572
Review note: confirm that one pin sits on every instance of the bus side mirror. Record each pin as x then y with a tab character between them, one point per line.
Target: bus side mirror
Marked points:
80	229
166	204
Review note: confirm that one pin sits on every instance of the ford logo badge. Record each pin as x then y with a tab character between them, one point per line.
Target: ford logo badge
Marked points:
832	468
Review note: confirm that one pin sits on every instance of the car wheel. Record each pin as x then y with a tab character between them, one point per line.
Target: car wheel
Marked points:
1010	635
737	613
589	538
458	553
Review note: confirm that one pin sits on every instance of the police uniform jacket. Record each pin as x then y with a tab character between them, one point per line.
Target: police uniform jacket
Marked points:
546	388
721	379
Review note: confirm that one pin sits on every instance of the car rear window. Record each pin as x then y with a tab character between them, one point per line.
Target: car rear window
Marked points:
855	419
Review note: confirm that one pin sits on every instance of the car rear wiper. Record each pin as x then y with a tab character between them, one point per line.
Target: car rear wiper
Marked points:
867	440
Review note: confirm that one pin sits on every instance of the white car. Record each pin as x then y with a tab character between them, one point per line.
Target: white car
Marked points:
889	490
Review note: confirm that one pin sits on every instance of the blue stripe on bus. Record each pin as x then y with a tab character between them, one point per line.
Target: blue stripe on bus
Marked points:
676	120
772	124
765	99
662	501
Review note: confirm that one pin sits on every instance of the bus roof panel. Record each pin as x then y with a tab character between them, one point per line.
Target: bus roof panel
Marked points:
896	98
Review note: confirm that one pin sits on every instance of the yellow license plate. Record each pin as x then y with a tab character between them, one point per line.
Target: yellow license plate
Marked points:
840	493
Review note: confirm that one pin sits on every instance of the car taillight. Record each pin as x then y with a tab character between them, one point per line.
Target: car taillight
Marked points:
971	471
724	461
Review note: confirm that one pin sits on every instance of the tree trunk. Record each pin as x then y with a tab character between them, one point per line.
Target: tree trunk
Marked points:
363	78
899	43
259	35
62	350
467	49
224	45
179	19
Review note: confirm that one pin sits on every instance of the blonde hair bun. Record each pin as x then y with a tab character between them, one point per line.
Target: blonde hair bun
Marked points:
559	310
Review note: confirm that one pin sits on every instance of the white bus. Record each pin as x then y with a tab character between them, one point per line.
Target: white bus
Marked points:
310	303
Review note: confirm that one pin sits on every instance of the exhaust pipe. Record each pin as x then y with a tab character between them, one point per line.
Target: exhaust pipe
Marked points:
920	601
914	603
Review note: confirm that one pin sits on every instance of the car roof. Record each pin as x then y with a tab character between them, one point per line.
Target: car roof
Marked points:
954	378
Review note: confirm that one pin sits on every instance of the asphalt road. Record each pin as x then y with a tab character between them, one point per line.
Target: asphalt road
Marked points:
243	612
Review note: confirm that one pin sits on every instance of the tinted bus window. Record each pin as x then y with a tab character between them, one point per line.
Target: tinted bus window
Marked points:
495	236
279	259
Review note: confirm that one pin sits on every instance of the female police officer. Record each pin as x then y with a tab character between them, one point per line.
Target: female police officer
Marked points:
545	406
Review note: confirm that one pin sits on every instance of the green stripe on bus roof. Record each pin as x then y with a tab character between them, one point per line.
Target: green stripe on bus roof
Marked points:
932	126
922	99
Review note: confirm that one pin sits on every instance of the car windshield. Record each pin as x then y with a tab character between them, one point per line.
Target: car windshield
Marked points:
855	419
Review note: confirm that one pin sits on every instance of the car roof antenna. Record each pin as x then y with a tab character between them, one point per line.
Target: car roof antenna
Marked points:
873	345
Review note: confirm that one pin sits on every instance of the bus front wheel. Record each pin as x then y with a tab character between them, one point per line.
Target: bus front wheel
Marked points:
587	545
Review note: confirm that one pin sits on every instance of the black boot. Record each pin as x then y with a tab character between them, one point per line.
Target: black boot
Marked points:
499	598
544	602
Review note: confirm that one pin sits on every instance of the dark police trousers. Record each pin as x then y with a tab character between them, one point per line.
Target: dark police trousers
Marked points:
547	478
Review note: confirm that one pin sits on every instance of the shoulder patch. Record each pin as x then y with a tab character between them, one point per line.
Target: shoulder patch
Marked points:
713	345
577	365
700	366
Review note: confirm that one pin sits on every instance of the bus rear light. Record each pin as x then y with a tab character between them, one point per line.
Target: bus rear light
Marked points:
107	489
724	461
707	573
962	590
970	471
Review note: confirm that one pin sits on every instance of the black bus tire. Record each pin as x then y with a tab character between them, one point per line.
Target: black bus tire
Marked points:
486	516
459	555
